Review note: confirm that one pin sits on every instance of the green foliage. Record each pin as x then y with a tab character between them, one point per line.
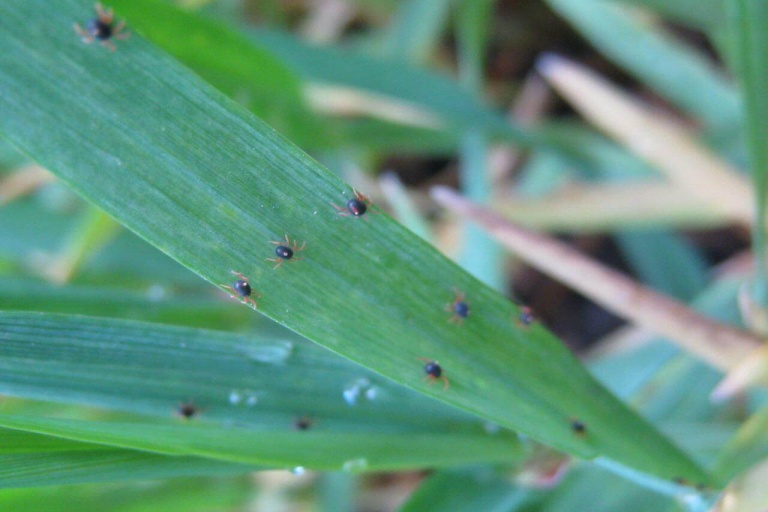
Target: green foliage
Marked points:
189	136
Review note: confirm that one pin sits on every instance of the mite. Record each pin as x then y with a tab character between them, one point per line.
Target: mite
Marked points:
459	308
303	423
187	410
434	372
286	251
357	206
578	427
102	28
240	289
526	316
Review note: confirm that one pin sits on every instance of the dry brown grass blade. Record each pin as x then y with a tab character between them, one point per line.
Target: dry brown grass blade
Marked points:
350	102
751	372
601	207
654	136
722	346
747	493
326	20
24	181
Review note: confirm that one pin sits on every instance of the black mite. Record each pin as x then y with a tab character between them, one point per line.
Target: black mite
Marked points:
357	206
242	289
187	410
434	372
102	28
459	308
286	251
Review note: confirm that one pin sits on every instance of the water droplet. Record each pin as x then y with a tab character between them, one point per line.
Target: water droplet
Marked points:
156	293
274	353
352	392
355	465
372	393
298	470
350	395
243	397
691	501
491	428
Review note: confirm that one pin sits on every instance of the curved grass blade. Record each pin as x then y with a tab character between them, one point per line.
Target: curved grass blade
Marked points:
432	92
704	14
210	185
747	25
153	305
353	452
227	59
264	381
242	388
32	460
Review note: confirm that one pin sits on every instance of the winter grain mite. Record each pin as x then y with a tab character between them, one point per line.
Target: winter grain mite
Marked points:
102	28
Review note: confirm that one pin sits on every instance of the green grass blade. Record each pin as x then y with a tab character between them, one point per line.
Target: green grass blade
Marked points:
178	495
748	447
337	492
481	256
748	28
261	387
353	452
208	184
704	14
32	460
109	301
415	29
666	262
427	90
264	381
579	490
226	59
473	489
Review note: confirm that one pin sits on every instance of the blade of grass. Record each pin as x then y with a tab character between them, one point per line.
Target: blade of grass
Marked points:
748	27
338	492
404	208
579	490
94	231
211	186
22	182
109	301
177	495
415	29
261	387
462	490
226	59
353	452
600	208
480	255
704	14
748	447
32	460
427	90
664	261
264	380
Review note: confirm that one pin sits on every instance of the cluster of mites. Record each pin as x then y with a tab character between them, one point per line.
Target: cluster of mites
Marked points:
103	28
358	206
